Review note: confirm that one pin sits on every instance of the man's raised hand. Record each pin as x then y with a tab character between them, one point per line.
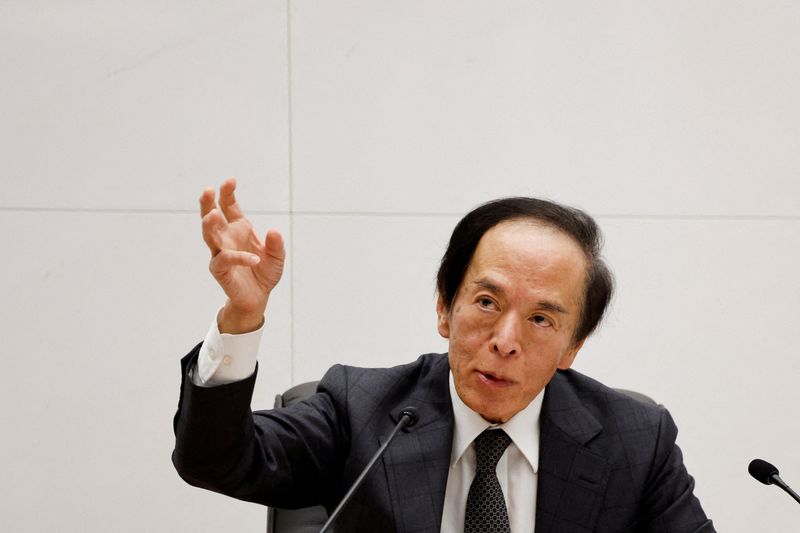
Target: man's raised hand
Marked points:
246	268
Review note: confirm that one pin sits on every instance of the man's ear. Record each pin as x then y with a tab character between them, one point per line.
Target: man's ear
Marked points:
568	358
443	320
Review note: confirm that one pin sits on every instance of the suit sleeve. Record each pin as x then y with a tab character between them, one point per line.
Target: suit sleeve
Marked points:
285	458
670	505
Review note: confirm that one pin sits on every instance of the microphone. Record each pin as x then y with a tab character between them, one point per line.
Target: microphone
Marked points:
408	417
767	474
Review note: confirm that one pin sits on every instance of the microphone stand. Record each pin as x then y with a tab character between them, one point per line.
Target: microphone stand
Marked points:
407	418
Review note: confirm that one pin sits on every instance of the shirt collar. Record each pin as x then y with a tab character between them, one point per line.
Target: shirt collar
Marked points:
523	428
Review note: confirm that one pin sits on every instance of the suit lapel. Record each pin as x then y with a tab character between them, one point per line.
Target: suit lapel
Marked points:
572	478
418	459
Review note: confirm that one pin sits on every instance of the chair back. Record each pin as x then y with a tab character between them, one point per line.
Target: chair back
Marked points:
308	519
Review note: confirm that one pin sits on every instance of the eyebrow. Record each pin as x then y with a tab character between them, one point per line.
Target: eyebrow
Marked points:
544	304
552	306
488	285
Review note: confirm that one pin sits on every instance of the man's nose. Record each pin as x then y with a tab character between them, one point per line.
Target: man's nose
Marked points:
506	338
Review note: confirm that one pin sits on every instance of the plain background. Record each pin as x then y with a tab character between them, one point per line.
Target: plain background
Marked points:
363	131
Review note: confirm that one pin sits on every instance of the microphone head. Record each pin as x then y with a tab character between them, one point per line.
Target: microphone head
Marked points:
411	413
762	471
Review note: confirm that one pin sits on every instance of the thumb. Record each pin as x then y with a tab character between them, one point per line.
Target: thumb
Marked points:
273	245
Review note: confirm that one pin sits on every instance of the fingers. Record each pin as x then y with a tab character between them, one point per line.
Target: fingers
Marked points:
227	200
226	259
213	226
213	221
207	202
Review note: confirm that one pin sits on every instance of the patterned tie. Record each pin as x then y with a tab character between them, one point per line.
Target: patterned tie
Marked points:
486	506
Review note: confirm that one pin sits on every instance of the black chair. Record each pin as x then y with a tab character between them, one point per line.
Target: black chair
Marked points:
308	519
311	519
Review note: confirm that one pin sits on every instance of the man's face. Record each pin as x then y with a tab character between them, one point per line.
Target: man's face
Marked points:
512	321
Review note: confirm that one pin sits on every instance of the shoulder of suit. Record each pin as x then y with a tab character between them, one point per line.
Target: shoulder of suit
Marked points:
429	370
422	366
603	401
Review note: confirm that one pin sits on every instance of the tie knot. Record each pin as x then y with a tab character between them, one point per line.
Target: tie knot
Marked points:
489	446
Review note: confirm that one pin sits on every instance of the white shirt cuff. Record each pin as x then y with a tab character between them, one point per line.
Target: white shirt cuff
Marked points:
225	358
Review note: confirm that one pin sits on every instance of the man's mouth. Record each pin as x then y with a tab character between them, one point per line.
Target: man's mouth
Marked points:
494	380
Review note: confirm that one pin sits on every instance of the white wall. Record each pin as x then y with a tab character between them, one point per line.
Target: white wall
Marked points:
363	130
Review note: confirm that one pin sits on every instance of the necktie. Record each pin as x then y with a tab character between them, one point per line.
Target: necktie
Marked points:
486	506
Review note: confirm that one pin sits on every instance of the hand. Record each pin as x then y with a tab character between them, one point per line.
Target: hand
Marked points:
246	268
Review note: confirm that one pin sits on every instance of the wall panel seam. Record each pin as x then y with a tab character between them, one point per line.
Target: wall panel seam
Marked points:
290	169
292	213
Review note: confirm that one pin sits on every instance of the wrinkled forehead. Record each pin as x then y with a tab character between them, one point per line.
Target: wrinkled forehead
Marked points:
530	250
522	236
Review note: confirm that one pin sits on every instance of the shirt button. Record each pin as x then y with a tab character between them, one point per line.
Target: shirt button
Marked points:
226	360
212	353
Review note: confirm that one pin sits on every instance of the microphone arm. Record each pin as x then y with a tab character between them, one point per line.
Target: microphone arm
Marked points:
776	479
408	417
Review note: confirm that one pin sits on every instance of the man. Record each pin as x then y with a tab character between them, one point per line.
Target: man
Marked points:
508	438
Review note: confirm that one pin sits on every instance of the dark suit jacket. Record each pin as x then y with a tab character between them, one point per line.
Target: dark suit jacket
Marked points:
607	463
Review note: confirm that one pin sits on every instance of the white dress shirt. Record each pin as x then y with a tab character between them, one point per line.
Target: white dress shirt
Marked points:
226	358
516	471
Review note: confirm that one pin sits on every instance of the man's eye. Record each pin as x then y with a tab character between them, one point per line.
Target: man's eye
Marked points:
540	320
486	302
